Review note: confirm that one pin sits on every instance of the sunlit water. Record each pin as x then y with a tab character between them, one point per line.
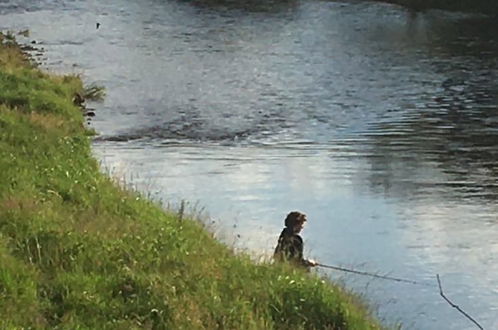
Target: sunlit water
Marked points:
378	123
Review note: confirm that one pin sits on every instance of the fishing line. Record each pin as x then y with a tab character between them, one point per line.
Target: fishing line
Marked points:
384	277
397	279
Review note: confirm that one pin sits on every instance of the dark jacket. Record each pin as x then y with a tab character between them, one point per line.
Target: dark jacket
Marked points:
290	248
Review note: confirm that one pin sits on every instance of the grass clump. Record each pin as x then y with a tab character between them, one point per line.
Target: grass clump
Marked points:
79	252
94	93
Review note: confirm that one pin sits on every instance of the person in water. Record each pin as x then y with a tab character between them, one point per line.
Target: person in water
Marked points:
290	244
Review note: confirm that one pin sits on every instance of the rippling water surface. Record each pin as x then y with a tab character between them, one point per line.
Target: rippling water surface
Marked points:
379	123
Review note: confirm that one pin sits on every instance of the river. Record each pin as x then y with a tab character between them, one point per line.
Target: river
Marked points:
379	123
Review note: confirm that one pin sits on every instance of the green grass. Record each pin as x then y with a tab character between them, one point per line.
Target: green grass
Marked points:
77	251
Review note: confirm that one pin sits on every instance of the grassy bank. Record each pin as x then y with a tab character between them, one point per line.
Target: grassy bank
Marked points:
488	7
79	252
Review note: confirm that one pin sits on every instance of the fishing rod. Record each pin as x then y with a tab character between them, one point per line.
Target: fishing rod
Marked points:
397	279
384	277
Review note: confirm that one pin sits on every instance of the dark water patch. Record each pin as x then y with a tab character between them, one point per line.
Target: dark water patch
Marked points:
191	131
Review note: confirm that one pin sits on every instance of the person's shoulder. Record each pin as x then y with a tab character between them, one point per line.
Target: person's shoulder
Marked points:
297	238
286	232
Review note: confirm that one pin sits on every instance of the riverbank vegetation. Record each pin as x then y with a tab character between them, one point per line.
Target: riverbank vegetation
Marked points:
489	7
79	251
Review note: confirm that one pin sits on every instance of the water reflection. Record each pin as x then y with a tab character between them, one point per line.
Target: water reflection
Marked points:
452	139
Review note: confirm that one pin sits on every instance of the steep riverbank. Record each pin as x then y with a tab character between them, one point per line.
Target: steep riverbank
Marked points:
78	251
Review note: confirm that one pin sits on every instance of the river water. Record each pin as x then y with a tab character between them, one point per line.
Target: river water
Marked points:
379	123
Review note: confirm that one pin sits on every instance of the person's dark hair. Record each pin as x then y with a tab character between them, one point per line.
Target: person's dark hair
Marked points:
294	217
